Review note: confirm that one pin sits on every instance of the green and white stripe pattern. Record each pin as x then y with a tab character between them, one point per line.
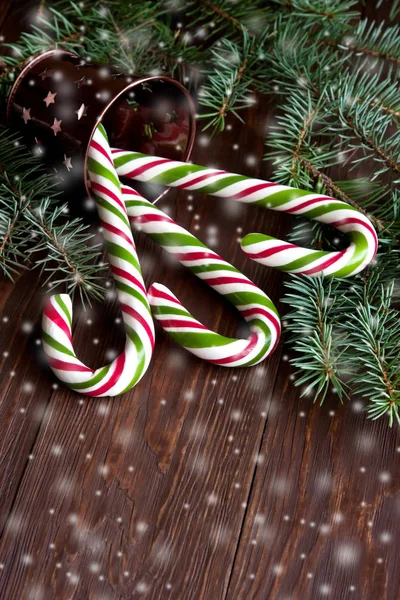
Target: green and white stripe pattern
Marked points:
262	248
254	305
127	369
116	203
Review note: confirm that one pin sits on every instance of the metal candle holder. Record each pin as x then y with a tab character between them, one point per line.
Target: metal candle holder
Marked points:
59	98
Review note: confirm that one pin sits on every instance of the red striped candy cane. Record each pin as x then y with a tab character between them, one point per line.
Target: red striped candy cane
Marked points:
126	370
262	248
253	304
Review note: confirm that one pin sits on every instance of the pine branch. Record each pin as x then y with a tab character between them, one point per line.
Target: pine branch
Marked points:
304	132
377	91
301	136
301	148
12	238
68	254
372	133
141	44
321	9
31	222
296	62
321	363
228	19
374	336
219	12
375	41
347	336
349	99
229	77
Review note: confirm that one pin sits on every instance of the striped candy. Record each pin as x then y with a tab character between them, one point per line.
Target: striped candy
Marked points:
116	203
126	370
255	306
262	248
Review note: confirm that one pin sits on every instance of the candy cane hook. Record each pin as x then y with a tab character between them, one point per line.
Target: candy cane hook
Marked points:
253	304
126	370
262	248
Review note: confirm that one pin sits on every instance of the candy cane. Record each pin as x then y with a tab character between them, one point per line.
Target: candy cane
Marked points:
113	203
262	248
126	370
254	305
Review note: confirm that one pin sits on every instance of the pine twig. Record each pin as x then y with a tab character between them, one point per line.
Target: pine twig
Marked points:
334	189
303	132
220	13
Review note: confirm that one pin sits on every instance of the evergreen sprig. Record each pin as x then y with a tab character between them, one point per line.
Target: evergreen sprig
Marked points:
346	337
64	250
212	18
374	41
321	10
320	355
233	66
374	338
339	108
33	229
131	36
334	78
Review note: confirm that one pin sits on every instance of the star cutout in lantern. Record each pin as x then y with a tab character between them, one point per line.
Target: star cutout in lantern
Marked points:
38	145
46	73
67	162
56	127
82	81
50	99
57	175
26	115
81	112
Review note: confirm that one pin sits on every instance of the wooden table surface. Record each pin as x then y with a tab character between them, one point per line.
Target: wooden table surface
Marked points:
202	483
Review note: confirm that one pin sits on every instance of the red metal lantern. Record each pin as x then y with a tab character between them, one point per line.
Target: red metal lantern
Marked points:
59	99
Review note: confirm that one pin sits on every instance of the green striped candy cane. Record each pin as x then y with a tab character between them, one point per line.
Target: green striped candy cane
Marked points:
252	303
263	248
126	370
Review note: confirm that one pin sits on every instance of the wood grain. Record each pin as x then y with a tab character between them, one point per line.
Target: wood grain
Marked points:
201	483
324	504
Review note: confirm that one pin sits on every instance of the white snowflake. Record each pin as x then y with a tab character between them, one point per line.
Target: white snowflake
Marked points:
347	554
141	587
27	327
385	537
236	415
141	526
73	519
325	589
27	560
385	477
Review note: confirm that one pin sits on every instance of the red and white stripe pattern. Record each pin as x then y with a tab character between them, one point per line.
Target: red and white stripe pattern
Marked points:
253	304
126	370
265	249
116	203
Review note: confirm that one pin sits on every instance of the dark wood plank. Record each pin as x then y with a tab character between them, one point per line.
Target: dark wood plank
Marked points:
25	387
171	464
323	514
167	492
6	18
